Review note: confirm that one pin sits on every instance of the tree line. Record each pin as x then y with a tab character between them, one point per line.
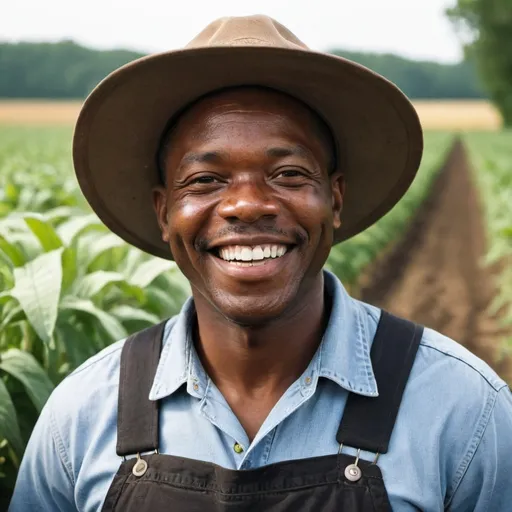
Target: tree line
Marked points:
66	70
486	28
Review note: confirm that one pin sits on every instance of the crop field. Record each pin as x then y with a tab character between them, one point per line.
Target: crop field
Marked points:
434	115
69	287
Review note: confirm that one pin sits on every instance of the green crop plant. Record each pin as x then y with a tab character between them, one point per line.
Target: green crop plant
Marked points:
68	286
491	158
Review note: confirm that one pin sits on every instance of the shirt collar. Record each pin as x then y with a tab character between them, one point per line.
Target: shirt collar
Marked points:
343	355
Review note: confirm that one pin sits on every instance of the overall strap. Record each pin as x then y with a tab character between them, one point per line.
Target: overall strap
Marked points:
137	416
368	422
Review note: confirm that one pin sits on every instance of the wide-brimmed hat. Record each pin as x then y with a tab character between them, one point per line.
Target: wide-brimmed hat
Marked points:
375	127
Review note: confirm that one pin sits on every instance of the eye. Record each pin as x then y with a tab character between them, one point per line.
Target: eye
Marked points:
202	183
203	180
290	173
292	177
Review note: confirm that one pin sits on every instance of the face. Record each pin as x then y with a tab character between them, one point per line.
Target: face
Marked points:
249	207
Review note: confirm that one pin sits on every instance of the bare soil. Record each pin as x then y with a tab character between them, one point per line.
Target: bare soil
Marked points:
435	276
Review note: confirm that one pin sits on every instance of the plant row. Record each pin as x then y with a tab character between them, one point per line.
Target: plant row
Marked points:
350	259
491	159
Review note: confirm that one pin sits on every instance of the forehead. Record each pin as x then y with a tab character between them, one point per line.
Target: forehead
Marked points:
247	106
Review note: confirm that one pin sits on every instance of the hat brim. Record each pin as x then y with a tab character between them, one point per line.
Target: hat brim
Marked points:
375	127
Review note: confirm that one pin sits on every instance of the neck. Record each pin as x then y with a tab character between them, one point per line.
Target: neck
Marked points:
264	359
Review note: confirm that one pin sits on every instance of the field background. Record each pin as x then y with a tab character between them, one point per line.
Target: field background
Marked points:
441	257
434	114
69	287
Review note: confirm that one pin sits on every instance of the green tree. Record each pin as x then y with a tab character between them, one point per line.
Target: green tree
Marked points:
68	70
486	29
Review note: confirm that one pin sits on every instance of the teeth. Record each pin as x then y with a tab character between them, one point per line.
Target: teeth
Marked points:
246	253
243	255
257	253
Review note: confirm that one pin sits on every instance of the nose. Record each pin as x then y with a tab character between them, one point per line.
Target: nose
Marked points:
248	201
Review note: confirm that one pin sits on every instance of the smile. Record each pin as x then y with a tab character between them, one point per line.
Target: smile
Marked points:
251	255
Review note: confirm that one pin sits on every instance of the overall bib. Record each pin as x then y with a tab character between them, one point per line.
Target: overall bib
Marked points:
332	483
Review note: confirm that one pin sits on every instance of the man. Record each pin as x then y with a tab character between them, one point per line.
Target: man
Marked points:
273	389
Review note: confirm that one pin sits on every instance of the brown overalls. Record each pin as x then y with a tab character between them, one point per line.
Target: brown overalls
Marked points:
165	483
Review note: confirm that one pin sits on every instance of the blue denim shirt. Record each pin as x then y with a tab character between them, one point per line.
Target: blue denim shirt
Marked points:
451	447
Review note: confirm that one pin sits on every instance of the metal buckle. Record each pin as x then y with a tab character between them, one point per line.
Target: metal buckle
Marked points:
138	455
141	466
353	472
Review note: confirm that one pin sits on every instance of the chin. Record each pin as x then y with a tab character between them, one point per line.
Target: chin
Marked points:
253	311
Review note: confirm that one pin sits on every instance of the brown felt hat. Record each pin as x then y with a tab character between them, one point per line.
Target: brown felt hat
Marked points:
375	128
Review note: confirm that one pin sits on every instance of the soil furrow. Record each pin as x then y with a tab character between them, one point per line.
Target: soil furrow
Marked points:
434	276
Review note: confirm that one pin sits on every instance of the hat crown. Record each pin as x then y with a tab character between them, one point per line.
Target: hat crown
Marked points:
257	30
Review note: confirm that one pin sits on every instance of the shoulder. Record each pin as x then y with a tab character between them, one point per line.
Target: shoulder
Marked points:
453	403
97	374
450	390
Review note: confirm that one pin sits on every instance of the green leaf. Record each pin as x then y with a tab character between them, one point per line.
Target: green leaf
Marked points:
128	313
108	322
44	232
77	345
56	214
69	267
37	288
148	271
75	226
11	313
12	252
93	283
100	245
9	428
24	367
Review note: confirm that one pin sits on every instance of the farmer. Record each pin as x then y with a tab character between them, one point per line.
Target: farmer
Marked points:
244	158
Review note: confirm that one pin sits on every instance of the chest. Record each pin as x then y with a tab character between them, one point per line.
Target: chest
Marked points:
298	427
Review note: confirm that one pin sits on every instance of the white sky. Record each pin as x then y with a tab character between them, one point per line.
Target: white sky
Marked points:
413	28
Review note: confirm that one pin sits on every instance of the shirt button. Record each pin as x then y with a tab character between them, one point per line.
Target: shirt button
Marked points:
195	386
238	448
308	381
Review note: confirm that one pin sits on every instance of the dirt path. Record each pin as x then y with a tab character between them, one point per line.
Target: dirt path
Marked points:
434	275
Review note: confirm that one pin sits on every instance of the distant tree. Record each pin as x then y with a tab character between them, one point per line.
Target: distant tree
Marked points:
55	70
486	30
68	70
423	79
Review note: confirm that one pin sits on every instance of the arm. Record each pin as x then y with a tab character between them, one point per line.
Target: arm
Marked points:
487	482
45	479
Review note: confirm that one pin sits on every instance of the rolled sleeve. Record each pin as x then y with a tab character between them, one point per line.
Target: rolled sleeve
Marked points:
44	480
487	483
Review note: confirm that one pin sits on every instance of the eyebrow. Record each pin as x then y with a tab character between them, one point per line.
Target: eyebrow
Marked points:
217	156
201	158
281	152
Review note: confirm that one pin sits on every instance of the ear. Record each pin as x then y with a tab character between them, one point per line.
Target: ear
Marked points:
160	207
337	194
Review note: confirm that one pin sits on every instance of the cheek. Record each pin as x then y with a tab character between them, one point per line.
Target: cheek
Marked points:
314	211
186	218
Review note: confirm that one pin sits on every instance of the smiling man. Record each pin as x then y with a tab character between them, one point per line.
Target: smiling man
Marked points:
244	158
